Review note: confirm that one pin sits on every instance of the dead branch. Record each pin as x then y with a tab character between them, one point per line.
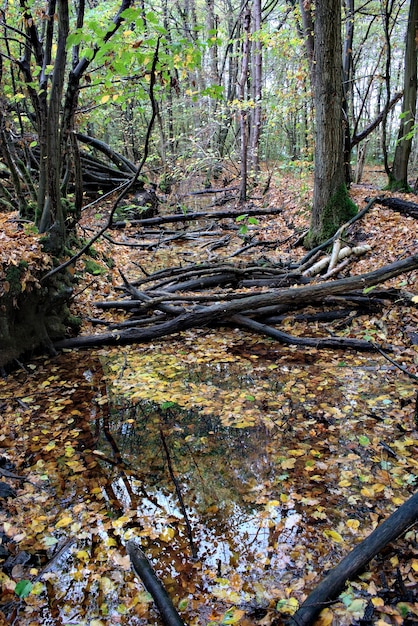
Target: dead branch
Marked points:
311	342
200	215
153	585
218	313
339	232
355	561
401	206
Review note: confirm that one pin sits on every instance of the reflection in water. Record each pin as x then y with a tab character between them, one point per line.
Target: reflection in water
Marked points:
259	497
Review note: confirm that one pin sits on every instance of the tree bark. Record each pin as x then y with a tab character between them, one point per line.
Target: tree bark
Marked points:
243	114
399	175
331	204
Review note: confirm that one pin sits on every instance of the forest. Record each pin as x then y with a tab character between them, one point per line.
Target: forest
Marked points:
208	312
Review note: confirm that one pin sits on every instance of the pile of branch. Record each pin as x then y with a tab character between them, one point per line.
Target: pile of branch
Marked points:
171	301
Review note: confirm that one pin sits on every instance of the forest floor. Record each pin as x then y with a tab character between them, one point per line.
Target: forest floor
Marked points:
245	468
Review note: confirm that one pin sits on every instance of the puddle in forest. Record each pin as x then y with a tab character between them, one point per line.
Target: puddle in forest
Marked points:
267	459
277	458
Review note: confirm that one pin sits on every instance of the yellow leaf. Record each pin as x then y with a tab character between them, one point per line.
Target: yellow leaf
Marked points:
414	299
332	534
118	523
344	483
353	524
107	585
83	555
167	534
64	521
414	564
271	505
105	99
296	452
233	616
110	541
50	446
326	617
378	602
288	463
289	606
37	588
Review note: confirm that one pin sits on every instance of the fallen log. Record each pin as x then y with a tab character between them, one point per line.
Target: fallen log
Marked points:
220	312
200	215
401	206
307	342
354	562
153	585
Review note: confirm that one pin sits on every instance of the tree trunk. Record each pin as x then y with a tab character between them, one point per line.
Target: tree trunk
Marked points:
243	114
398	180
331	204
256	68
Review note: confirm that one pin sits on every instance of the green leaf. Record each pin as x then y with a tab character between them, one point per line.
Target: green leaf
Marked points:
183	604
168	405
364	441
23	588
369	289
240	218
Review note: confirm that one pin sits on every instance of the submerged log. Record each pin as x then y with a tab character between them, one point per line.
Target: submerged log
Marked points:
153	585
354	562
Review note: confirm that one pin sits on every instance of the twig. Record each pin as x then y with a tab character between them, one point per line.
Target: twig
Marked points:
398	365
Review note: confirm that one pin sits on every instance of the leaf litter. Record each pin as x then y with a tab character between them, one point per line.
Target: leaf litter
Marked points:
285	460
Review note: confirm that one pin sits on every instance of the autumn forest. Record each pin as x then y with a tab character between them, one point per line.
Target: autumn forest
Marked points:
208	313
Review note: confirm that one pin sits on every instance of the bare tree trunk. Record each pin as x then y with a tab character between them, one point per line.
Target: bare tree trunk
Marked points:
399	174
243	115
52	210
308	30
211	24
257	66
347	85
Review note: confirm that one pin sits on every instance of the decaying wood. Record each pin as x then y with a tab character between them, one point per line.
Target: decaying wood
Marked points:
338	254
153	585
401	206
311	342
337	235
200	215
355	561
250	306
